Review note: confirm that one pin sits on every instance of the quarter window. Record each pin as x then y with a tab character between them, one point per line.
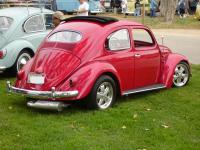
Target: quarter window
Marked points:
142	38
34	24
118	40
5	23
65	37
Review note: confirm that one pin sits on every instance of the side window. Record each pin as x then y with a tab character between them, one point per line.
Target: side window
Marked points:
34	24
142	38
118	40
49	21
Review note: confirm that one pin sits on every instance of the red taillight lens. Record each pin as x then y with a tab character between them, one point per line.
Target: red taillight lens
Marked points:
2	53
20	74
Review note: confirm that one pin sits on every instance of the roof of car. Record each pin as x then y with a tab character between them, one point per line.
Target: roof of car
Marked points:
14	12
98	19
93	26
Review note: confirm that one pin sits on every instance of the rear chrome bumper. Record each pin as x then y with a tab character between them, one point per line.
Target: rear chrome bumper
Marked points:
41	94
2	68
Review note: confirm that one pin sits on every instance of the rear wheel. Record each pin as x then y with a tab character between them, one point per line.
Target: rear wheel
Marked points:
22	59
181	74
103	94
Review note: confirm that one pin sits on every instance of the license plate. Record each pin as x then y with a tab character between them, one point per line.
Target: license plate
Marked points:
36	78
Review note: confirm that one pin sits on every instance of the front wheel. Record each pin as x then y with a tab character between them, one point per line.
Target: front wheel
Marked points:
103	94
181	74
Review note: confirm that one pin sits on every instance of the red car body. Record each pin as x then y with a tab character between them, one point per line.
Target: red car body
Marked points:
77	66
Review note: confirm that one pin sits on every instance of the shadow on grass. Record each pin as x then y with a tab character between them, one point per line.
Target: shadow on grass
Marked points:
73	108
7	75
138	96
78	107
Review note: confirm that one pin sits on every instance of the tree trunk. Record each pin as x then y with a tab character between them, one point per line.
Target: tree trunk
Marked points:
168	8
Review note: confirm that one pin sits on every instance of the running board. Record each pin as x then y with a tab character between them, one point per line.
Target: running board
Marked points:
147	88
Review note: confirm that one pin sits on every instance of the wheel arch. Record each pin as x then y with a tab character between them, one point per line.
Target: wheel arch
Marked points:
87	75
13	50
29	50
172	61
114	77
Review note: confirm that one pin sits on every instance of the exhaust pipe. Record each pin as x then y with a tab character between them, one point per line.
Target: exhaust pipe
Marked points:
59	106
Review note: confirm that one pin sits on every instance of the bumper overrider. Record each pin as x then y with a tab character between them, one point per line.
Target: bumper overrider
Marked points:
42	94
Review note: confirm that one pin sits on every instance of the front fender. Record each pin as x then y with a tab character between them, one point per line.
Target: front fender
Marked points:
168	70
13	49
85	77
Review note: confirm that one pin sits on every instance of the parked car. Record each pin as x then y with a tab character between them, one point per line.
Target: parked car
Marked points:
73	63
72	5
22	30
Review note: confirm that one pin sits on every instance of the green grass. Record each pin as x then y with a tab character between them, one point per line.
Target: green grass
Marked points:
135	122
158	22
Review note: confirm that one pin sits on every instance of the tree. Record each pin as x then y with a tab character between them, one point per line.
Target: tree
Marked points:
168	8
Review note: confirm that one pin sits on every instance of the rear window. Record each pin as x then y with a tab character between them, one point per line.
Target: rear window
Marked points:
65	37
5	23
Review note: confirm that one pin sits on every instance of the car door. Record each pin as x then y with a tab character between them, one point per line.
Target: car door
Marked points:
147	58
120	55
35	30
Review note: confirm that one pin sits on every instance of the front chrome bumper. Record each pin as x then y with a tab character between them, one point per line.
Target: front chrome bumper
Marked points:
41	94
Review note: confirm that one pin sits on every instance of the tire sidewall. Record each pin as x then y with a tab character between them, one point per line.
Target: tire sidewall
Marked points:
14	68
189	73
92	98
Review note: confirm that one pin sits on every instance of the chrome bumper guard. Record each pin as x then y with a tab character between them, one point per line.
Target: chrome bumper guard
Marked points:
41	94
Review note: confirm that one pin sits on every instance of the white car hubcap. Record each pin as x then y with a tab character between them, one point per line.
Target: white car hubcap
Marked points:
22	60
181	75
104	95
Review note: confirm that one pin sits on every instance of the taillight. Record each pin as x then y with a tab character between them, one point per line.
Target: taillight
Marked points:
2	53
20	74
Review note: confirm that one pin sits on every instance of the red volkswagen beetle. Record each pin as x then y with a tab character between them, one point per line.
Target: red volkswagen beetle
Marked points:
95	59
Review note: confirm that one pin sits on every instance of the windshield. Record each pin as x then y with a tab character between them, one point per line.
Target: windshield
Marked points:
65	37
5	23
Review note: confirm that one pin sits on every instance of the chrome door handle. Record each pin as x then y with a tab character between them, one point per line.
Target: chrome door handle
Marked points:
137	55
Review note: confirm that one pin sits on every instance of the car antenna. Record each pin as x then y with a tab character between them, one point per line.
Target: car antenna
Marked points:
40	5
27	7
162	37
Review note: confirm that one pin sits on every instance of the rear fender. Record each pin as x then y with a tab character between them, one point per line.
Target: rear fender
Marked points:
13	50
85	77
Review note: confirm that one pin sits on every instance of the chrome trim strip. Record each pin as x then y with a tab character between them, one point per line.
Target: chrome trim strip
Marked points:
41	94
148	88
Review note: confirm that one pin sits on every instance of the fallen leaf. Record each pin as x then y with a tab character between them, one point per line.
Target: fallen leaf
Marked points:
123	127
148	109
135	116
146	129
165	126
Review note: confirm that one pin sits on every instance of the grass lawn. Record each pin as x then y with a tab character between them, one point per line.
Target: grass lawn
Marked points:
158	22
158	120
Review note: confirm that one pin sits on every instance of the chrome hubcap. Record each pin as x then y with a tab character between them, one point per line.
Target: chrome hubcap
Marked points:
104	95
22	60
181	75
